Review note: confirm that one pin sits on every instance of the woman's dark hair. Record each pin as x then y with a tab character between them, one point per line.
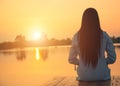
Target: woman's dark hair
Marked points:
89	37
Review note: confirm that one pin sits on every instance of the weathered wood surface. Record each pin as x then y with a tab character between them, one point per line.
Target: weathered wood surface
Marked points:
71	81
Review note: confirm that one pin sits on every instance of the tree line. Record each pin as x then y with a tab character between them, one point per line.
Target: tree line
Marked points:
20	42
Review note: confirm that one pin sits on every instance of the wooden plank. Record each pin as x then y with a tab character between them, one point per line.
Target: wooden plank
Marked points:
71	81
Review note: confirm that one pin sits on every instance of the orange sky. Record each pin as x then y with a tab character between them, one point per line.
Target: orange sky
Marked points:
57	18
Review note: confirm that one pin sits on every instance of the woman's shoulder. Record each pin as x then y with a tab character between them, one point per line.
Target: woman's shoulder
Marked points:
106	37
105	34
75	37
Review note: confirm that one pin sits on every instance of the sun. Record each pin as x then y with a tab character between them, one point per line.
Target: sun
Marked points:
37	35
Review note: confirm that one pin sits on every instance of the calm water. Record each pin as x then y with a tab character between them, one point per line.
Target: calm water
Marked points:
35	66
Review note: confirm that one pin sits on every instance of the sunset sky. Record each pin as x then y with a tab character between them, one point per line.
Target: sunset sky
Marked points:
55	18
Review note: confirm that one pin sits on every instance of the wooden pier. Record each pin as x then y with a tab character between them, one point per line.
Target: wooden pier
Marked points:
71	81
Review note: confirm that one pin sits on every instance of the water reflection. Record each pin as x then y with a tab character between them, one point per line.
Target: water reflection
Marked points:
20	54
37	54
7	53
41	54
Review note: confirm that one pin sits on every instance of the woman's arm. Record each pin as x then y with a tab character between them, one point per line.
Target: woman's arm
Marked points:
111	55
73	52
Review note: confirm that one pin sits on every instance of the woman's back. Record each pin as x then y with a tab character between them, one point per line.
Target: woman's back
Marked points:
101	71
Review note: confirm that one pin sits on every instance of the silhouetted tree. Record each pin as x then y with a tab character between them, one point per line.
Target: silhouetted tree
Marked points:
115	39
20	41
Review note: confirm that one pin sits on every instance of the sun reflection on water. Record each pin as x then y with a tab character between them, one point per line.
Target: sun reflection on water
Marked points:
37	54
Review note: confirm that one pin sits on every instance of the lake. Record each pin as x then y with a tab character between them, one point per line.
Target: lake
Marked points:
37	65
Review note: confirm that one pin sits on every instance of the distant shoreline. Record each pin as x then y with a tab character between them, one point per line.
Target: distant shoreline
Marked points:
20	42
115	45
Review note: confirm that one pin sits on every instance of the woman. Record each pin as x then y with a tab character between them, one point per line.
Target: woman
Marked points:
90	43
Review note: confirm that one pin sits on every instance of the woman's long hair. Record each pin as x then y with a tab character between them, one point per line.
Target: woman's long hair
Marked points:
89	37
